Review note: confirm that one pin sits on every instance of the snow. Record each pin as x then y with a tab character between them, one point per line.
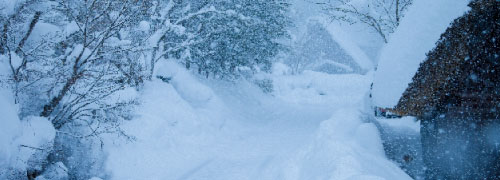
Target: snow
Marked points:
144	26
37	133
16	60
313	125
9	129
56	171
7	7
187	87
341	37
43	31
20	140
416	35
319	88
404	123
196	128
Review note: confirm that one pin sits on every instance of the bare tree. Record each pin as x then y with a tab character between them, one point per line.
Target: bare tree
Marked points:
93	58
13	38
382	16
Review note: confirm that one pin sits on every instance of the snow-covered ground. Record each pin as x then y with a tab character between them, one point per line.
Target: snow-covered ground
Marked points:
311	127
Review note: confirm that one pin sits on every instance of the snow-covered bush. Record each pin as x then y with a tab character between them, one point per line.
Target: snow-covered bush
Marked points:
72	63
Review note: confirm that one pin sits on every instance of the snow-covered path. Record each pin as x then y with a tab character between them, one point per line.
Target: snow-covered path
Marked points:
216	130
259	149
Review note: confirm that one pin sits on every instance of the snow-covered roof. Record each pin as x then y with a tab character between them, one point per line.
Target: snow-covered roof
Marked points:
347	44
416	35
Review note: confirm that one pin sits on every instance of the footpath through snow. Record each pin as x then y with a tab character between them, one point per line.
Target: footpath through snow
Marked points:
311	127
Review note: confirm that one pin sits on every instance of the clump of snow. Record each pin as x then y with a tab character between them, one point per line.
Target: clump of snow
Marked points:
408	123
70	28
280	69
144	26
416	35
16	60
35	142
186	85
37	131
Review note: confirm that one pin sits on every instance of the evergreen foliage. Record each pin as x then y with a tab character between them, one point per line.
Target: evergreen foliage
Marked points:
224	38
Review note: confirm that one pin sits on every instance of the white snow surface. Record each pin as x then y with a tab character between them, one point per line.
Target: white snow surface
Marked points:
311	127
9	130
19	139
7	7
416	35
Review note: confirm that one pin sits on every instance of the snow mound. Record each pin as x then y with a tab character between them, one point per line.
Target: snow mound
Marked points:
173	120
417	34
9	130
35	142
188	87
37	131
345	148
320	88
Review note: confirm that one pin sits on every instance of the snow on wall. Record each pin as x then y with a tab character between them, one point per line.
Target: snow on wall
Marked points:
417	34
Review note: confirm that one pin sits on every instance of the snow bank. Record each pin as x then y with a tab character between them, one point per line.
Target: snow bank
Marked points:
320	88
174	120
345	148
9	130
417	34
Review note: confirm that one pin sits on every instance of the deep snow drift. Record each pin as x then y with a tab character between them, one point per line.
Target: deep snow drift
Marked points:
311	127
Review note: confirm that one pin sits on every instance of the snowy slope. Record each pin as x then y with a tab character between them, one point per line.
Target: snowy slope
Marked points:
193	128
417	34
